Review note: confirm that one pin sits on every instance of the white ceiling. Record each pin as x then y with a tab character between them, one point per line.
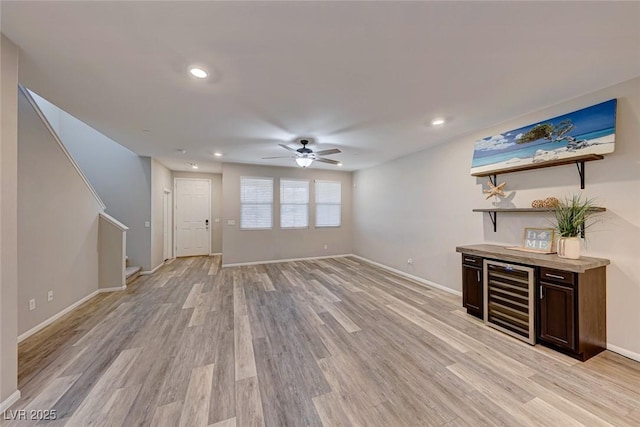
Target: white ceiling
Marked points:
365	77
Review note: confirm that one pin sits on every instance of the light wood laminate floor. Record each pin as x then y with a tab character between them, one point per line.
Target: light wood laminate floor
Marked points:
334	342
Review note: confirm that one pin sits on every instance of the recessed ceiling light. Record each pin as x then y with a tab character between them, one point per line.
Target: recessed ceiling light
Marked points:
198	72
437	122
217	154
182	151
193	165
339	164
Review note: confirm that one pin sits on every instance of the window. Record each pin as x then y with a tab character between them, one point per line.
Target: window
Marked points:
256	203
294	203
328	208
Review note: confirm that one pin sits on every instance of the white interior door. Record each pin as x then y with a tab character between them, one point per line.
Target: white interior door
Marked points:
167	252
193	216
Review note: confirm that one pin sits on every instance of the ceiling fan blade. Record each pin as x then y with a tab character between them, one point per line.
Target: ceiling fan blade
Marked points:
280	157
327	152
323	160
286	147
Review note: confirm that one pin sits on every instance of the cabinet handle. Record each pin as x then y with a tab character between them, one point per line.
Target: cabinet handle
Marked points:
555	276
470	260
541	294
478	275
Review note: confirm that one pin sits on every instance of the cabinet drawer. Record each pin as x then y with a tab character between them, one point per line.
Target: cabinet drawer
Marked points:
558	276
472	260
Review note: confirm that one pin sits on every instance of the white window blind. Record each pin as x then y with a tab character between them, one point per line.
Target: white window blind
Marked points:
294	204
256	203
328	203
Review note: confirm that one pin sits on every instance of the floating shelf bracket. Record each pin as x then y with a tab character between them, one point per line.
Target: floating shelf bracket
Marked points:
494	219
581	171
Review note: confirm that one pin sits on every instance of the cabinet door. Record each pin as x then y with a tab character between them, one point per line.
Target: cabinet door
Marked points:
472	295
557	324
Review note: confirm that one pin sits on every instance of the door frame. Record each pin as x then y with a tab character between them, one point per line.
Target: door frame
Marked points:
175	212
167	224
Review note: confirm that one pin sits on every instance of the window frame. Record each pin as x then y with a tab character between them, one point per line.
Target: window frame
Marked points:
317	204
307	204
257	204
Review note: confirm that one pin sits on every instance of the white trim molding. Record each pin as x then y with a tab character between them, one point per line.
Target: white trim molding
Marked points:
624	352
275	261
55	135
113	221
215	253
113	289
411	276
9	401
150	272
67	310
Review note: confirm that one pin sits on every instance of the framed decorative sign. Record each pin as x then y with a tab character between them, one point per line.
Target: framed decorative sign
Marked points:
591	130
539	240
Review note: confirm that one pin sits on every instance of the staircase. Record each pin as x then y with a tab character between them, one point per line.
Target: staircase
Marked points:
131	272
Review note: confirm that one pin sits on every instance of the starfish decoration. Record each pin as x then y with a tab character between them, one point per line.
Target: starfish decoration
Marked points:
495	190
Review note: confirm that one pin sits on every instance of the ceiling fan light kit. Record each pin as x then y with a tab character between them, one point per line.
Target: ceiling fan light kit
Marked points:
304	156
304	162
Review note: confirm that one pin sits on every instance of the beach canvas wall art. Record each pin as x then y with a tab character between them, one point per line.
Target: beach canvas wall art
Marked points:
591	130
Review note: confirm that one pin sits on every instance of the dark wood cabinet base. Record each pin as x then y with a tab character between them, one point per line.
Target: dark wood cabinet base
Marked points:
593	351
570	303
472	289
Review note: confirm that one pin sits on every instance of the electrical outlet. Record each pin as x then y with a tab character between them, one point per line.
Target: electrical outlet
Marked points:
32	304
410	261
50	296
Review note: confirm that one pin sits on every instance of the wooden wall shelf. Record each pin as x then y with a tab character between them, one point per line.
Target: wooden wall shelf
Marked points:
595	209
493	213
579	161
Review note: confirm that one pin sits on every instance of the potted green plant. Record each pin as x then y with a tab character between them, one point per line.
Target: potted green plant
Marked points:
571	220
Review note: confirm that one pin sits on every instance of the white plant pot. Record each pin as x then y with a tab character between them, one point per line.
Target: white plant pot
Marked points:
569	247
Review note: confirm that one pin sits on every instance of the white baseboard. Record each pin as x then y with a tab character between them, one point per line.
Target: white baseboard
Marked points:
148	272
9	401
215	253
67	310
624	352
113	289
275	261
410	276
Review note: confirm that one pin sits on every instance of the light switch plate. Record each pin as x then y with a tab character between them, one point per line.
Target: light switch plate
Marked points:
147	224
231	222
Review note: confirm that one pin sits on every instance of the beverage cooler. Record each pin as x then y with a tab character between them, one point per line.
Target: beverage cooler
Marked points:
509	299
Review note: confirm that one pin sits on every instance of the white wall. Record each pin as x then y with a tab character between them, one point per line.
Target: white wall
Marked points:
419	206
216	205
160	180
57	225
120	177
8	220
241	246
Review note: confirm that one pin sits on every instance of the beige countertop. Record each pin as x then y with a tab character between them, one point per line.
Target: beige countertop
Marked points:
542	260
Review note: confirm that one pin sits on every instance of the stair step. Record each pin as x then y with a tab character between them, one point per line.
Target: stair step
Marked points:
132	273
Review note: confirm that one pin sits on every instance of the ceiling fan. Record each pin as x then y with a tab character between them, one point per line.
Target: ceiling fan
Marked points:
305	156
